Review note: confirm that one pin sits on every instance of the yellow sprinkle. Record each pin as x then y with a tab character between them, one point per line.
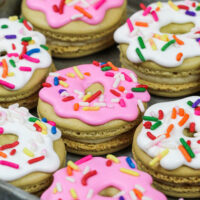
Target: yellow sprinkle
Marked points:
153	44
44	132
79	74
86	96
113	158
158	157
71	75
11	74
13	18
28	152
67	1
64	84
73	193
95	108
43	126
54	190
73	165
31	42
165	37
173	6
159	4
128	171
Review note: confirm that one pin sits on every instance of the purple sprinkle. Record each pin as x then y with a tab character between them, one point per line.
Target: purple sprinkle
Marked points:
10	36
61	91
121	198
191	13
197	39
196	103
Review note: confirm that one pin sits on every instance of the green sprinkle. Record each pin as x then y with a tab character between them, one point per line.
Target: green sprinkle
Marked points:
190	103
44	47
12	62
26	39
149	118
138	89
106	68
32	119
139	53
168	44
187	148
197	8
4	26
156	125
21	20
141	42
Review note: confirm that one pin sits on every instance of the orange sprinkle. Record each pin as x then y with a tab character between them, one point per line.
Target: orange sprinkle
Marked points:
87	74
112	66
173	116
185	153
5	68
179	56
157	9
69	171
138	193
3	155
183	120
83	11
180	42
144	24
181	112
76	106
169	129
121	88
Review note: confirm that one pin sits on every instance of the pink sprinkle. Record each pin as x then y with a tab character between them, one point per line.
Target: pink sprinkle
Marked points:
9	164
154	15
12	54
1	130
122	103
130	25
25	69
147	11
52	123
109	74
31	59
129	95
84	159
1	64
197	112
6	84
99	4
127	77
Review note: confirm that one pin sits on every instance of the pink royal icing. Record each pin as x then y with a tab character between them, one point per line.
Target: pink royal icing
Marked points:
63	95
57	18
104	177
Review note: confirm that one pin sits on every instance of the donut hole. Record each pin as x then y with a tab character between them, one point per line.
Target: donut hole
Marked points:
94	88
8	138
174	28
3	53
187	133
109	191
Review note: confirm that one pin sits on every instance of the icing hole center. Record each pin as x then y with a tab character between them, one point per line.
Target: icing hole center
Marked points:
187	133
109	191
174	28
8	139
94	88
3	53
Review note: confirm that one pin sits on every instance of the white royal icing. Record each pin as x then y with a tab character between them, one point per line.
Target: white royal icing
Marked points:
166	15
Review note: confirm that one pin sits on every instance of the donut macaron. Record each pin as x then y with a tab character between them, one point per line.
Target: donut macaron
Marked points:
100	179
24	62
76	28
30	149
161	45
96	106
167	146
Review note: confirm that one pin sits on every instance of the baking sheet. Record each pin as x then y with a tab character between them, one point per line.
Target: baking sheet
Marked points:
11	7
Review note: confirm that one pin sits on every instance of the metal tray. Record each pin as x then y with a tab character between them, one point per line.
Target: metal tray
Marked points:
12	7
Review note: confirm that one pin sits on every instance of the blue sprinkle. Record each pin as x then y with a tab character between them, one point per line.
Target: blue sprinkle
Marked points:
44	119
10	36
62	90
121	198
191	13
196	103
130	162
103	63
31	51
197	39
53	130
56	81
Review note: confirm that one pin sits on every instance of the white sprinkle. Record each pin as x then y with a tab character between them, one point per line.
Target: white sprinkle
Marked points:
134	78
140	188
197	134
90	194
64	94
132	195
59	187
154	142
122	77
54	74
125	91
116	83
83	103
117	75
77	16
78	92
119	194
101	104
80	96
70	179
86	170
146	198
101	98
141	106
116	100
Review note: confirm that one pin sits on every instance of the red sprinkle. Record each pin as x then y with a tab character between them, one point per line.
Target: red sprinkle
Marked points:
189	142
95	63
198	32
108	163
34	160
62	78
55	8
9	146
104	65
147	125
198	141
13	46
194	4
151	136
69	98
94	96
183	7
26	25
192	127
46	84
61	6
38	128
12	152
87	176
115	93
142	86
142	6
160	114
